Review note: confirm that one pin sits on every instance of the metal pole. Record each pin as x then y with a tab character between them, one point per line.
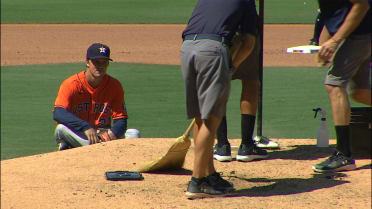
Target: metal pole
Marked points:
260	74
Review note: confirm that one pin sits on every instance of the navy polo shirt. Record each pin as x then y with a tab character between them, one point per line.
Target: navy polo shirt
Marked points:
221	17
334	13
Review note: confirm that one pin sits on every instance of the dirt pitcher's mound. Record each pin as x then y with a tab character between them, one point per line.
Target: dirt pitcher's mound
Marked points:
75	179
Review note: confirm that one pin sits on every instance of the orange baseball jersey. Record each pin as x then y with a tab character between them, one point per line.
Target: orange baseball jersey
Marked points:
97	106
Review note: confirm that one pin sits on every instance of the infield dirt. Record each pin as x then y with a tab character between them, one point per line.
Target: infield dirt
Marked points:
75	178
153	44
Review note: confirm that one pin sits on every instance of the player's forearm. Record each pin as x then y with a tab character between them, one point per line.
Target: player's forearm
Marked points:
119	127
352	20
63	116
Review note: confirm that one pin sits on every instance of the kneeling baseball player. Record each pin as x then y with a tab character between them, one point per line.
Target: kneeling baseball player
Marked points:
88	101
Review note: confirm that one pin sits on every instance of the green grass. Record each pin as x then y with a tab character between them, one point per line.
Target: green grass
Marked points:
137	11
289	95
290	11
155	102
28	93
96	11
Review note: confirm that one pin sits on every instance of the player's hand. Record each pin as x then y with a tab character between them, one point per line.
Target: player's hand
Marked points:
92	136
112	135
327	51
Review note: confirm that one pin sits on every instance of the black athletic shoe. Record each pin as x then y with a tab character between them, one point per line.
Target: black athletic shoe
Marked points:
219	183
336	162
222	153
248	153
202	189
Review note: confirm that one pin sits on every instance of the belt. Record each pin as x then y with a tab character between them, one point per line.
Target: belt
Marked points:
214	37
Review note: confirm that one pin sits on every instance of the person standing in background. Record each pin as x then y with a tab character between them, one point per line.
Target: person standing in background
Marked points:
348	53
248	73
318	28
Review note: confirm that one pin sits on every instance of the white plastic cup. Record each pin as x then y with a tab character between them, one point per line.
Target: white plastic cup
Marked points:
132	133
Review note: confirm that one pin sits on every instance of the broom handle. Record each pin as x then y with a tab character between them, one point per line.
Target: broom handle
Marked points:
187	132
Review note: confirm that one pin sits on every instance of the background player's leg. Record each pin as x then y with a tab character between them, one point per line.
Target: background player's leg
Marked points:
248	150
318	27
341	116
248	108
64	135
249	97
222	132
222	150
341	159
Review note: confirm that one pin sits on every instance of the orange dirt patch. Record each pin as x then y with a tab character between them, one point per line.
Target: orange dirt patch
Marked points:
75	178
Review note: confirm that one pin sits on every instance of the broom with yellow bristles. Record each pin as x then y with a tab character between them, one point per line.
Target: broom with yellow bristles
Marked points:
174	158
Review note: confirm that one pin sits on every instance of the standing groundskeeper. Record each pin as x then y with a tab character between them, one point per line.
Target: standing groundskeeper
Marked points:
348	50
88	101
207	67
248	73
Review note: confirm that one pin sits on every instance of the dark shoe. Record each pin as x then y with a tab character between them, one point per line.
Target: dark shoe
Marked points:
202	189
336	162
248	153
219	183
314	42
222	153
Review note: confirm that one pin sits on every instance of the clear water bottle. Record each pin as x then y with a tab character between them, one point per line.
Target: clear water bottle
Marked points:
322	137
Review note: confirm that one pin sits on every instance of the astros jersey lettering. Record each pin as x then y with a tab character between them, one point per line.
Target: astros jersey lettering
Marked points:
98	106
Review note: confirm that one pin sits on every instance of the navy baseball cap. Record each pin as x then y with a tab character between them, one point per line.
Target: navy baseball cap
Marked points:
98	51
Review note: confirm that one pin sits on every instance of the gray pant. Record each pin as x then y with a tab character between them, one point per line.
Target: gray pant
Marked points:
206	68
65	135
351	64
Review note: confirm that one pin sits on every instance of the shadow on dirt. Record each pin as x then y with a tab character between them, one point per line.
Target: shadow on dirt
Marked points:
308	152
297	152
178	172
288	186
302	152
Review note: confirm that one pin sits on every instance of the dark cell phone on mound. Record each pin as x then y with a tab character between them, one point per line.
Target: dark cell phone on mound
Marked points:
123	175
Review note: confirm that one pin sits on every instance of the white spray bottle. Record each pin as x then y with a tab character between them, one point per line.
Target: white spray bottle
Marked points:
322	132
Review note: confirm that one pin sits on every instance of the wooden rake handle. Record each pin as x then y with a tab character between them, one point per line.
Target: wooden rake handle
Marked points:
188	130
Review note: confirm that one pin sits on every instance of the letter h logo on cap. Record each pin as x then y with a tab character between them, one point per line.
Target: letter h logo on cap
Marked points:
98	51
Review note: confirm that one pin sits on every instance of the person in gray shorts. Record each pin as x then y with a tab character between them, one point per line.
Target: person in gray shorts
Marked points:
207	67
348	51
